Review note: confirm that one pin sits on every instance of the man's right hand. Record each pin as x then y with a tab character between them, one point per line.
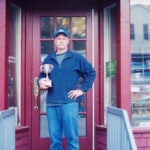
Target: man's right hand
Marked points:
43	83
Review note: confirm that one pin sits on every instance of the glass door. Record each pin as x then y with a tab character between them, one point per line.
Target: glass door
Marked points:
44	25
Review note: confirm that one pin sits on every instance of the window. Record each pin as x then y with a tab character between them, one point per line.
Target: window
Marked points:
14	60
110	46
145	31
132	32
140	65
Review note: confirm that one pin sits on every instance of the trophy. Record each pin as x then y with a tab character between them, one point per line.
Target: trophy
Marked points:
47	68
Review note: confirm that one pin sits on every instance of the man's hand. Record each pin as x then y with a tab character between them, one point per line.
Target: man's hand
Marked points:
43	83
73	94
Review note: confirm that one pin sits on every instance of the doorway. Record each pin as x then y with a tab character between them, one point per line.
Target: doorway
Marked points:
79	25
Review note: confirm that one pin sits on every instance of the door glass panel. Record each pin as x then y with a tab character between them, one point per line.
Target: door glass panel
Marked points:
44	126
79	46
47	47
82	126
78	27
48	26
62	22
43	94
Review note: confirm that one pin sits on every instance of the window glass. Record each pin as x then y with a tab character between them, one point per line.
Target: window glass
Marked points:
47	47
14	60
140	63
62	23
79	46
110	45
47	27
145	31
78	27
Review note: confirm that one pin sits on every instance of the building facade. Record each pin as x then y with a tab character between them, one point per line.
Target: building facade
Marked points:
112	34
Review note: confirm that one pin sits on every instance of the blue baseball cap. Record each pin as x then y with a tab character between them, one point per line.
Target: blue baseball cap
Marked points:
61	31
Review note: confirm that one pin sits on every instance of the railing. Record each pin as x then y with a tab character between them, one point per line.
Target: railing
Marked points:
119	132
7	129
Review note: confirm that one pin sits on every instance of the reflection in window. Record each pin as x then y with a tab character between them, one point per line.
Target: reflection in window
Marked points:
78	27
140	64
132	32
145	31
47	47
79	46
62	23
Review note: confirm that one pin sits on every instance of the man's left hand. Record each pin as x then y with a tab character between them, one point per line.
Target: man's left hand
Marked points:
73	94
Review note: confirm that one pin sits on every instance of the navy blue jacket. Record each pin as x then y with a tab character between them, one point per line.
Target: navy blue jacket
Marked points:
65	77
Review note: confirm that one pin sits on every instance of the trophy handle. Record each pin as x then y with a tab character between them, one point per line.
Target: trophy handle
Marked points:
36	93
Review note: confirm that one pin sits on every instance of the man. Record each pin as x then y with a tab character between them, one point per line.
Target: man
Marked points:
62	97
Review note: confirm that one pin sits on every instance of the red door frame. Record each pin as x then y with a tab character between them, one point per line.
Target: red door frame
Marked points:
124	55
4	56
36	55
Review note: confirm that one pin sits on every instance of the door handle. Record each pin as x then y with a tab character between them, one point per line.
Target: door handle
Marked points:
36	93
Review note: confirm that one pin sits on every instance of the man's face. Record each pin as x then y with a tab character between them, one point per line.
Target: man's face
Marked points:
61	42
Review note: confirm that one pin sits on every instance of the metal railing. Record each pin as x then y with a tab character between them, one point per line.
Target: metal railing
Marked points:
119	132
7	129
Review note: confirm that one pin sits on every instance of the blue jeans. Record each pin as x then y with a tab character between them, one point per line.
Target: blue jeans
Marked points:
63	119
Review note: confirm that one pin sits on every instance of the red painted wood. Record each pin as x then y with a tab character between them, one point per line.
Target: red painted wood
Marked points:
123	56
36	141
22	138
101	138
4	53
96	86
28	72
101	67
97	68
23	69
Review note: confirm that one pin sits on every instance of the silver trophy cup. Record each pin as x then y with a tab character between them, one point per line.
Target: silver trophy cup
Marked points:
47	68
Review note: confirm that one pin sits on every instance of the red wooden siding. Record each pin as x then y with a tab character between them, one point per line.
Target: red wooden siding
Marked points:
3	56
22	139
123	56
101	138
